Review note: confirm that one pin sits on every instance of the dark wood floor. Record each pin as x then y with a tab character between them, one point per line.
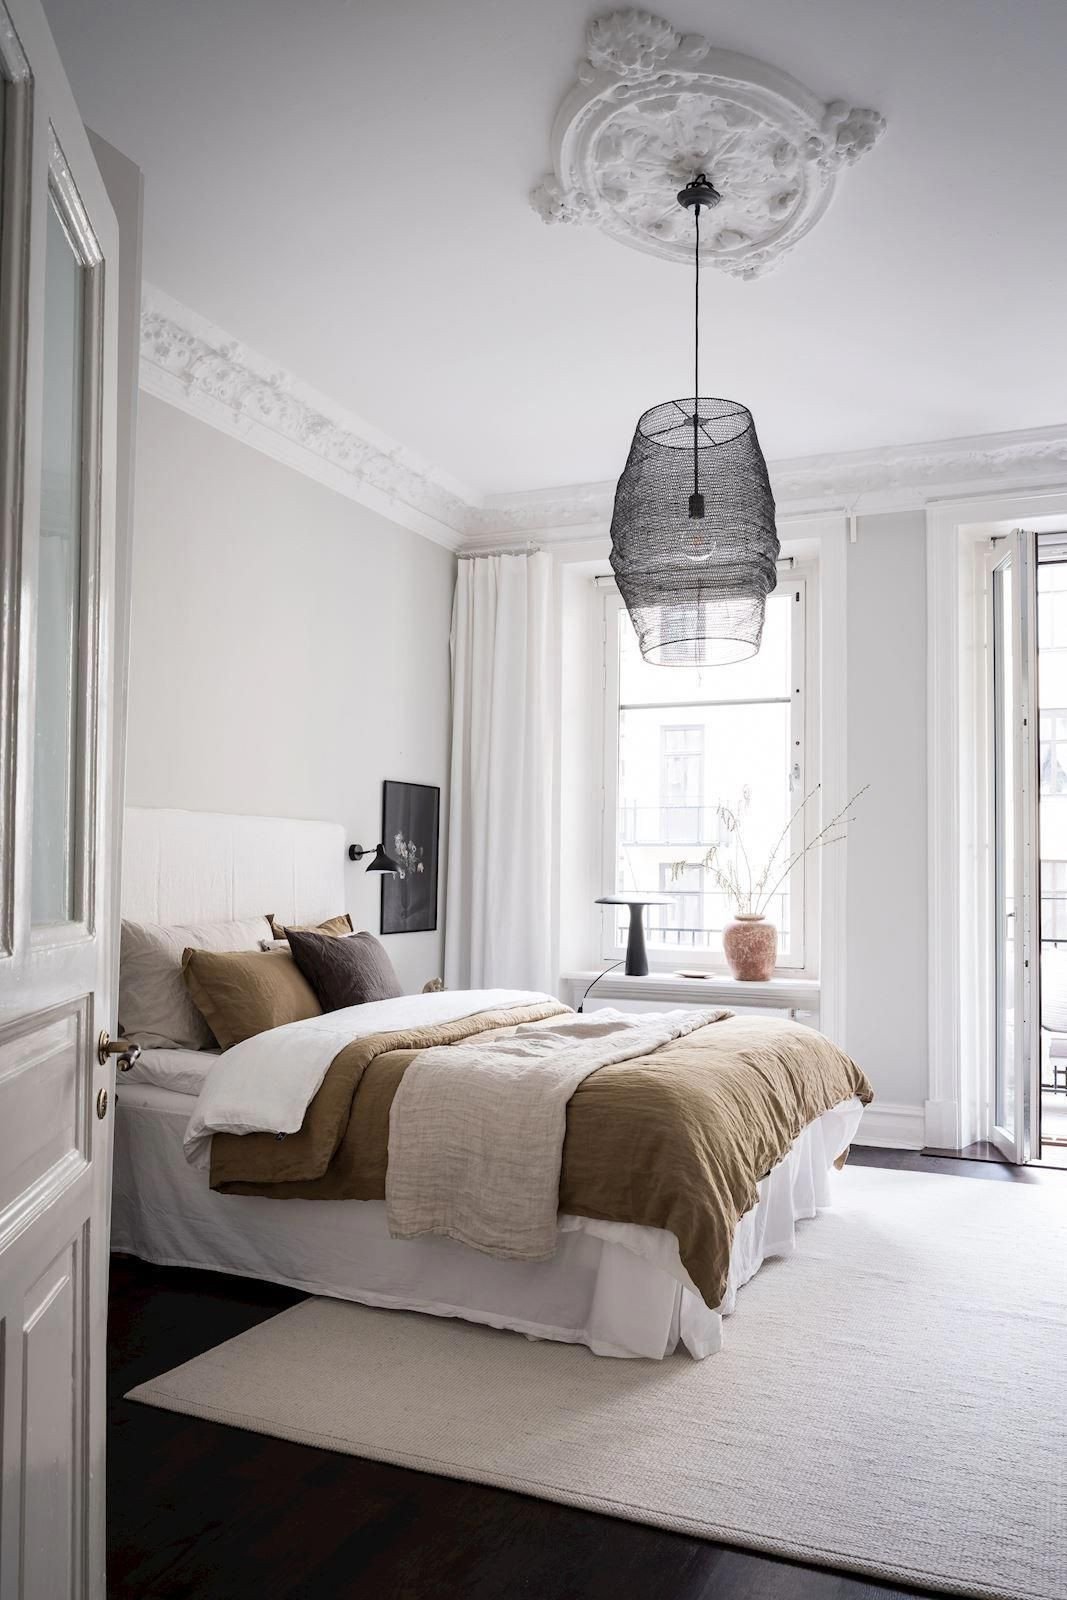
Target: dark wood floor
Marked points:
197	1509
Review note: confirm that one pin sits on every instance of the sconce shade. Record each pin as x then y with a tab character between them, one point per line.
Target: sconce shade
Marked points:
695	569
382	862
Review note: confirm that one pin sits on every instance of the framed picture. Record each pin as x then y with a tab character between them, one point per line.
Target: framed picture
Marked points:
411	820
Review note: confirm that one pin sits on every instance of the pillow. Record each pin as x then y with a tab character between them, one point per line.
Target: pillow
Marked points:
338	926
155	1009
242	993
344	972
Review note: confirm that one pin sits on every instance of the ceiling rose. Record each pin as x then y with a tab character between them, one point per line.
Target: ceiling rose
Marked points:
651	107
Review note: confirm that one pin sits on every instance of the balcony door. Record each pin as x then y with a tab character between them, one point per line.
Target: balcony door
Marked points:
1016	1100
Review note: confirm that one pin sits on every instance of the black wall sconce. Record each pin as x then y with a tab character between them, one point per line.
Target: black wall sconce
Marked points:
380	862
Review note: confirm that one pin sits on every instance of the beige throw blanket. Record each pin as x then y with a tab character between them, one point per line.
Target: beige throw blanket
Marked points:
476	1130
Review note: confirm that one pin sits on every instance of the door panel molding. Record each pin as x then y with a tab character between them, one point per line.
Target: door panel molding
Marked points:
52	1542
46	1086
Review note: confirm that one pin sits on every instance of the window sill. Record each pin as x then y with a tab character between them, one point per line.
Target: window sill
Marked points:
778	994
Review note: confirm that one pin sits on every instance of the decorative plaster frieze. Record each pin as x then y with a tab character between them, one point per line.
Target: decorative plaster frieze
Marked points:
652	107
913	474
861	480
199	367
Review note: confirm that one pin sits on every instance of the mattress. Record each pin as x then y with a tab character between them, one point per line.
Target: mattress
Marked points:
618	1288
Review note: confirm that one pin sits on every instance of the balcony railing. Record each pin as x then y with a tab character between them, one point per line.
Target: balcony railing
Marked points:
696	918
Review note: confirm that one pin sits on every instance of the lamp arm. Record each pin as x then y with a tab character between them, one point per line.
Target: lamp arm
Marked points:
356	852
581	1005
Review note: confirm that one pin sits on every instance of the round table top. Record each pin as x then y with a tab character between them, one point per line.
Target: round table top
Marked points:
633	900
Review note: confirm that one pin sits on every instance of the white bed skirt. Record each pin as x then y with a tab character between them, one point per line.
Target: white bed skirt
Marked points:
618	1288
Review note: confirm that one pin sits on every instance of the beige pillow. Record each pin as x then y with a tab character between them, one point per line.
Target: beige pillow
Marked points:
334	925
244	993
155	1009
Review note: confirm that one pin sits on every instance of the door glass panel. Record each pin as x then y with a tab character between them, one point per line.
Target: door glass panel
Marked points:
1004	764
55	763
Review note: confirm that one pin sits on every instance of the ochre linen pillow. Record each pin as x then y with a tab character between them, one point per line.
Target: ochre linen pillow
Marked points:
242	993
337	926
155	1009
344	972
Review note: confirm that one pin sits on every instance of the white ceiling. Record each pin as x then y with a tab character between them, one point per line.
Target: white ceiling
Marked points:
343	185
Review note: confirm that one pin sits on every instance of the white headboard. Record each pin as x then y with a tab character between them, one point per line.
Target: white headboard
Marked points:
205	866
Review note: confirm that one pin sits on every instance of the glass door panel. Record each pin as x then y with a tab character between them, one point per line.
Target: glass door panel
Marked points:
59	586
1016	894
1004	836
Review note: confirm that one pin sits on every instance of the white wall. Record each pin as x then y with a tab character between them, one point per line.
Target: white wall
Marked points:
289	649
886	924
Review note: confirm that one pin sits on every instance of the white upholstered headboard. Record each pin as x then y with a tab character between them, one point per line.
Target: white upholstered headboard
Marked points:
205	866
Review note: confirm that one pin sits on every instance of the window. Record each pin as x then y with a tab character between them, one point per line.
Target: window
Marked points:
681	783
680	743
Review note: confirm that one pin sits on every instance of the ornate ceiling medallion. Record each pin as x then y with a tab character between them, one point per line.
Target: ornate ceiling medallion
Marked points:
651	107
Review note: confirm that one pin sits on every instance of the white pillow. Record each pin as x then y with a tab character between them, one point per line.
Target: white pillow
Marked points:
155	1009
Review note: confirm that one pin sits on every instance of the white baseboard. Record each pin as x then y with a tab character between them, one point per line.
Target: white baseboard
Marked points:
892	1126
943	1124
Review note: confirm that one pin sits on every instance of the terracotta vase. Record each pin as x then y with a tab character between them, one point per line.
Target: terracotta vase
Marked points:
750	945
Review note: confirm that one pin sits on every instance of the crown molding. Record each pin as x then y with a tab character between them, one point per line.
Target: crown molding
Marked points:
887	479
198	367
204	371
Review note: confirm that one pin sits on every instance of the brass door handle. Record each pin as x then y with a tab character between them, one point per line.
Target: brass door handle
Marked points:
126	1051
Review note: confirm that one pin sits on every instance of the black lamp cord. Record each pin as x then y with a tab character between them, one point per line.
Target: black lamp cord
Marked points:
696	349
581	1007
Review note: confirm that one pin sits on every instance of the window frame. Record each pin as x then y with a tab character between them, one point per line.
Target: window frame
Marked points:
802	958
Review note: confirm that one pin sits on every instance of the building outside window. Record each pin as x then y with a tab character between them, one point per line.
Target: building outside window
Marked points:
681	783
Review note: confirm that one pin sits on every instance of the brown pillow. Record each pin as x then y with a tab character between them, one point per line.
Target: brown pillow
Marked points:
244	992
337	926
344	972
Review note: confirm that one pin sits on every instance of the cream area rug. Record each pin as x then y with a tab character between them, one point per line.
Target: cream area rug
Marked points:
891	1400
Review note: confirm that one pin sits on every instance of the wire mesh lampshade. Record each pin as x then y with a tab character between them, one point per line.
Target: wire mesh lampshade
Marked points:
695	579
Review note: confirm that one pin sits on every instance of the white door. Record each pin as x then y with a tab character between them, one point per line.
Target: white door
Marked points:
1017	1063
58	829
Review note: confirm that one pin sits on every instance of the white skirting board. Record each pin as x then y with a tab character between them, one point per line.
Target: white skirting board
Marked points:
893	1126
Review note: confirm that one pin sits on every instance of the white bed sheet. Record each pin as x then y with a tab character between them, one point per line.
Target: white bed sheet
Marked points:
617	1288
183	1071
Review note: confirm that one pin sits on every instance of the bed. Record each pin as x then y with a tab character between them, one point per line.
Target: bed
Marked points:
619	1288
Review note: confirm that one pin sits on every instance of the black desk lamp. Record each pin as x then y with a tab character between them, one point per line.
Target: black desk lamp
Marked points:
636	954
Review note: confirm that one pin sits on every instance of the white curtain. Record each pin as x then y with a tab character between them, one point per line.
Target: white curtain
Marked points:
499	923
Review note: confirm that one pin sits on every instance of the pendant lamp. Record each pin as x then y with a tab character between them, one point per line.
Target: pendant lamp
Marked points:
693	538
